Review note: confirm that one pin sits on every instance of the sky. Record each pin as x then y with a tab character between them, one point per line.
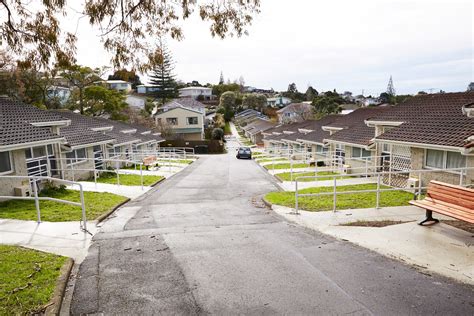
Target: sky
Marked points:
346	45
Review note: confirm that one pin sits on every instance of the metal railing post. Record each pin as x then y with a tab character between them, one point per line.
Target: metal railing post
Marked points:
296	197
37	205
291	170
334	202
83	207
460	177
419	186
116	171
72	170
377	203
141	175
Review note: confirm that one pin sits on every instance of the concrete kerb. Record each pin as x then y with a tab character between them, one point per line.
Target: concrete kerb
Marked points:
54	305
104	216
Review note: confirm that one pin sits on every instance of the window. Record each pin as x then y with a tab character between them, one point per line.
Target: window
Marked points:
172	120
455	160
444	159
192	120
5	162
360	153
76	156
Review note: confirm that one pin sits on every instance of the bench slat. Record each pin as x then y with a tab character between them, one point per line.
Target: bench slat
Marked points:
442	210
462	210
456	200
459	191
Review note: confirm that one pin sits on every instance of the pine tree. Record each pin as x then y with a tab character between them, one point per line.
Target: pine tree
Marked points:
221	79
162	76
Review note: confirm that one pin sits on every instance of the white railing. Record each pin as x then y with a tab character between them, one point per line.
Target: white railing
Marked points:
33	180
462	172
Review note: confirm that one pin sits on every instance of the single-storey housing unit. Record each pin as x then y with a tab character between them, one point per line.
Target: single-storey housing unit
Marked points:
195	92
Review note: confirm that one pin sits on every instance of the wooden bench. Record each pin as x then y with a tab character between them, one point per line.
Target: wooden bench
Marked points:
447	199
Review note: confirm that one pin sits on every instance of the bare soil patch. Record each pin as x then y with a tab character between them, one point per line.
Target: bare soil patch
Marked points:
374	223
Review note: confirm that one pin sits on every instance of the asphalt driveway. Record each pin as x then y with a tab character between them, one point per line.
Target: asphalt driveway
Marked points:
201	242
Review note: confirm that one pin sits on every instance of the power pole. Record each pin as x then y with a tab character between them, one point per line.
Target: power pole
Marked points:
390	87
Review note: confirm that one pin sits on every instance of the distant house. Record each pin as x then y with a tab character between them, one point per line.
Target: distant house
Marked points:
254	131
185	123
189	103
119	85
147	89
278	101
195	92
135	101
295	112
59	93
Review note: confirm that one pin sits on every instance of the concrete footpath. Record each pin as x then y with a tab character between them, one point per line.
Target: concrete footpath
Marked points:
62	238
440	249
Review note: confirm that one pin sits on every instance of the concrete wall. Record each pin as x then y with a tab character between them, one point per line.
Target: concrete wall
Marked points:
19	169
417	163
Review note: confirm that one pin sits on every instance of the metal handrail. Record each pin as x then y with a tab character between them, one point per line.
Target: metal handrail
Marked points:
33	180
417	191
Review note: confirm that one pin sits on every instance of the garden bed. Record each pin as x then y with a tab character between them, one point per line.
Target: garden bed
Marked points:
343	201
27	279
382	223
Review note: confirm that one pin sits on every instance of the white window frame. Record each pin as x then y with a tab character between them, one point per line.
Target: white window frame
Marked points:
11	164
445	161
76	160
192	117
361	157
168	119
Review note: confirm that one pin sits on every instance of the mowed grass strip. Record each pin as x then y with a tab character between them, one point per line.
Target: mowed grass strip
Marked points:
227	130
97	203
128	179
344	201
286	166
286	176
279	160
27	279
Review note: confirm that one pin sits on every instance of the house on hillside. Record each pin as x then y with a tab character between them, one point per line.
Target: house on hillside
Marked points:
295	112
181	122
189	103
196	92
279	101
119	85
147	88
254	131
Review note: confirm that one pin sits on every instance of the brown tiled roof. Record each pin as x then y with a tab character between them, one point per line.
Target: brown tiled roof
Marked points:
15	132
77	136
359	134
435	119
19	111
358	116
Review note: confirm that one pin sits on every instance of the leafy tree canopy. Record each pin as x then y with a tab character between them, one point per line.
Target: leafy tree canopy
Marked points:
219	89
126	75
326	104
128	28
254	101
227	105
100	101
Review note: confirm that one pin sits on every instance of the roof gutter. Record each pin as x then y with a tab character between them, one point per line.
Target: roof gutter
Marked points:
60	140
366	147
331	128
421	145
91	144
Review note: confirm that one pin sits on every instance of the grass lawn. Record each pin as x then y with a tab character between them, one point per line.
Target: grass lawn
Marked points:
127	179
246	142
97	203
181	161
260	160
344	201
286	176
227	130
286	166
27	279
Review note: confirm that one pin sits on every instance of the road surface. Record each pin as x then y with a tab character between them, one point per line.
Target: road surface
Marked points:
201	243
